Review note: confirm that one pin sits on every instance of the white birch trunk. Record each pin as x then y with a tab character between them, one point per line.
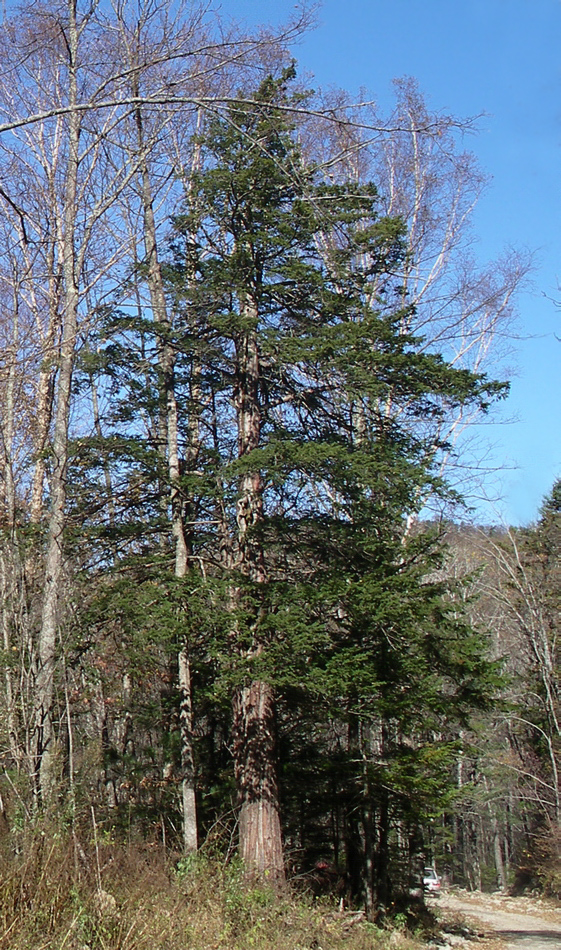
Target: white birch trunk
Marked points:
45	738
170	444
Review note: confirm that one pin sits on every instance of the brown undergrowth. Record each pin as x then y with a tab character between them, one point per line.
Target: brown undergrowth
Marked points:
61	892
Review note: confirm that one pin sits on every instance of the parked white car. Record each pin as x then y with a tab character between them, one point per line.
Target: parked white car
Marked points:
431	881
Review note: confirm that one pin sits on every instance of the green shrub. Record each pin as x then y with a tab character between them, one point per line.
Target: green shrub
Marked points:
70	891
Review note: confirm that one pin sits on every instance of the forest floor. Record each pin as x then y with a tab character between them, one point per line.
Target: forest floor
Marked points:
499	921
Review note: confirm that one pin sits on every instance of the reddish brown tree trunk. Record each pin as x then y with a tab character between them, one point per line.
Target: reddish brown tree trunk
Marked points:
256	779
255	759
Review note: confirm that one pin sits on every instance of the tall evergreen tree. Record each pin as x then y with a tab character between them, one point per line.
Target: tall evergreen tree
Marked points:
306	420
321	405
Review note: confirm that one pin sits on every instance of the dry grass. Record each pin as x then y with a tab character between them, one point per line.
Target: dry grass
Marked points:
63	894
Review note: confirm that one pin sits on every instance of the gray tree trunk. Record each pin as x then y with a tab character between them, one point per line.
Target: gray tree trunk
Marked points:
45	743
169	430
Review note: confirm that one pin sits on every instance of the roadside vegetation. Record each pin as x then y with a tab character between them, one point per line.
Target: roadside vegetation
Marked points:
244	349
86	893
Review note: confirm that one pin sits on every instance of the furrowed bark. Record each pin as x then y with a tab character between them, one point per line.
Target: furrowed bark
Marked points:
254	704
255	769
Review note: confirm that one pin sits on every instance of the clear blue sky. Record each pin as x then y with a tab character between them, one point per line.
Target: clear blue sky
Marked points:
502	58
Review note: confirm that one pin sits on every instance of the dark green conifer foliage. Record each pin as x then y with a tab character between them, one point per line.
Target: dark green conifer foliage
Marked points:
313	409
342	397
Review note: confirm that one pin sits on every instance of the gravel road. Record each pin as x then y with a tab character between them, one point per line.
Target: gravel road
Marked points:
521	923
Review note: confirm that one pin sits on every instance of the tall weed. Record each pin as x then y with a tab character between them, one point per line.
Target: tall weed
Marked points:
65	891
